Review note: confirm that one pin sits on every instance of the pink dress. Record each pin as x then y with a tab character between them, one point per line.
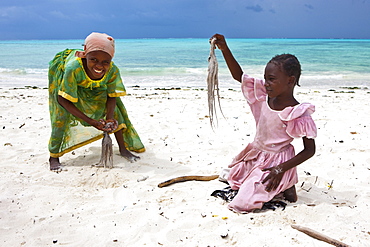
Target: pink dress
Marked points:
271	147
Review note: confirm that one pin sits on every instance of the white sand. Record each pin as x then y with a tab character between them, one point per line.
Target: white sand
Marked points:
87	206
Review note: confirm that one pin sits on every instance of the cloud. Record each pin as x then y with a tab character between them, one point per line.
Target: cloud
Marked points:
256	8
20	15
56	19
309	6
59	15
11	12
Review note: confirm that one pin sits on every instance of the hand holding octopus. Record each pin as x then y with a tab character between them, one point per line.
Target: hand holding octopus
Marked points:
109	125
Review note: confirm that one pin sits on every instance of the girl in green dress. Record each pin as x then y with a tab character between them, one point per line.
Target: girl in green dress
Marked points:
84	95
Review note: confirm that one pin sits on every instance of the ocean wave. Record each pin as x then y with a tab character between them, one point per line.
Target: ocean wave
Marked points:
23	71
161	71
186	77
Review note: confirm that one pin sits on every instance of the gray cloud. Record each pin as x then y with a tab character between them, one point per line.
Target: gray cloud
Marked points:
309	6
256	8
58	19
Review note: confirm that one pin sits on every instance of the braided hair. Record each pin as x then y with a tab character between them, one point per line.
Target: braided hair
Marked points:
289	64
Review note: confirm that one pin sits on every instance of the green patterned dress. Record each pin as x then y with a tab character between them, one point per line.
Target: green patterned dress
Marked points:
68	79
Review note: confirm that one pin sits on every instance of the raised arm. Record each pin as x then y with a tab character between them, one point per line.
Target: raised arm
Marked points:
234	67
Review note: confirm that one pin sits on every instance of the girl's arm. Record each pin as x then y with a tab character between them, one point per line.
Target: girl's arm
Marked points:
276	173
71	108
110	106
232	64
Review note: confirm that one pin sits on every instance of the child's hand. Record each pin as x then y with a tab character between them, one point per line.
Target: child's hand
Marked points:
110	125
98	124
273	178
220	41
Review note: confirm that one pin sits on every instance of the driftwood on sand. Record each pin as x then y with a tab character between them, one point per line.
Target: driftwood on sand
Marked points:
187	178
212	83
319	236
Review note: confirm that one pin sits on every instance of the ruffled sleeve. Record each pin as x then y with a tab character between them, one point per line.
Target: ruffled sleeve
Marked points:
299	122
253	89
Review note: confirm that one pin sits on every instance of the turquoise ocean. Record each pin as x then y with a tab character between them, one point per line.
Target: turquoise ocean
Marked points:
166	63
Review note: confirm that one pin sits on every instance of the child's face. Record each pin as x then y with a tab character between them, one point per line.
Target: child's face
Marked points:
277	81
97	63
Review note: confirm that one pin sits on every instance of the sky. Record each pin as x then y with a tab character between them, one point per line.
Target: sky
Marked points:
75	19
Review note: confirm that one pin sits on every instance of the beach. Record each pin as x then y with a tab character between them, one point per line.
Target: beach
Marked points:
89	206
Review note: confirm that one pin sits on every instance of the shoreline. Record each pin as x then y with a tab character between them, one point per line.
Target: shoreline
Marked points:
124	207
137	87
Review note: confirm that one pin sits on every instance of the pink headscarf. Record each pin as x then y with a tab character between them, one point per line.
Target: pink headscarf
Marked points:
97	42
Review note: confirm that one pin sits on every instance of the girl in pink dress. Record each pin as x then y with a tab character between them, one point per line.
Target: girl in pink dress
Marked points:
267	166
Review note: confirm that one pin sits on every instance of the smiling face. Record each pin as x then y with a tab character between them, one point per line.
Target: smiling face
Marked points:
277	82
97	63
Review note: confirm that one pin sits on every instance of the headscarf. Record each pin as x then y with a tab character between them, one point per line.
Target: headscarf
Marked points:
97	42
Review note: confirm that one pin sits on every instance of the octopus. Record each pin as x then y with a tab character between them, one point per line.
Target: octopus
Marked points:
106	159
212	83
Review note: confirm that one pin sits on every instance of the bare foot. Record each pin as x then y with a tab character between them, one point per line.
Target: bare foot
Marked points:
291	194
129	156
55	165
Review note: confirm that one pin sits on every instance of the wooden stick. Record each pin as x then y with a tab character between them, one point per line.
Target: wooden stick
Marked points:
319	236
187	178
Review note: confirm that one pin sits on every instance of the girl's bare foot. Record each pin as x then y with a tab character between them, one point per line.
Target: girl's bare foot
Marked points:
128	155
55	165
291	194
